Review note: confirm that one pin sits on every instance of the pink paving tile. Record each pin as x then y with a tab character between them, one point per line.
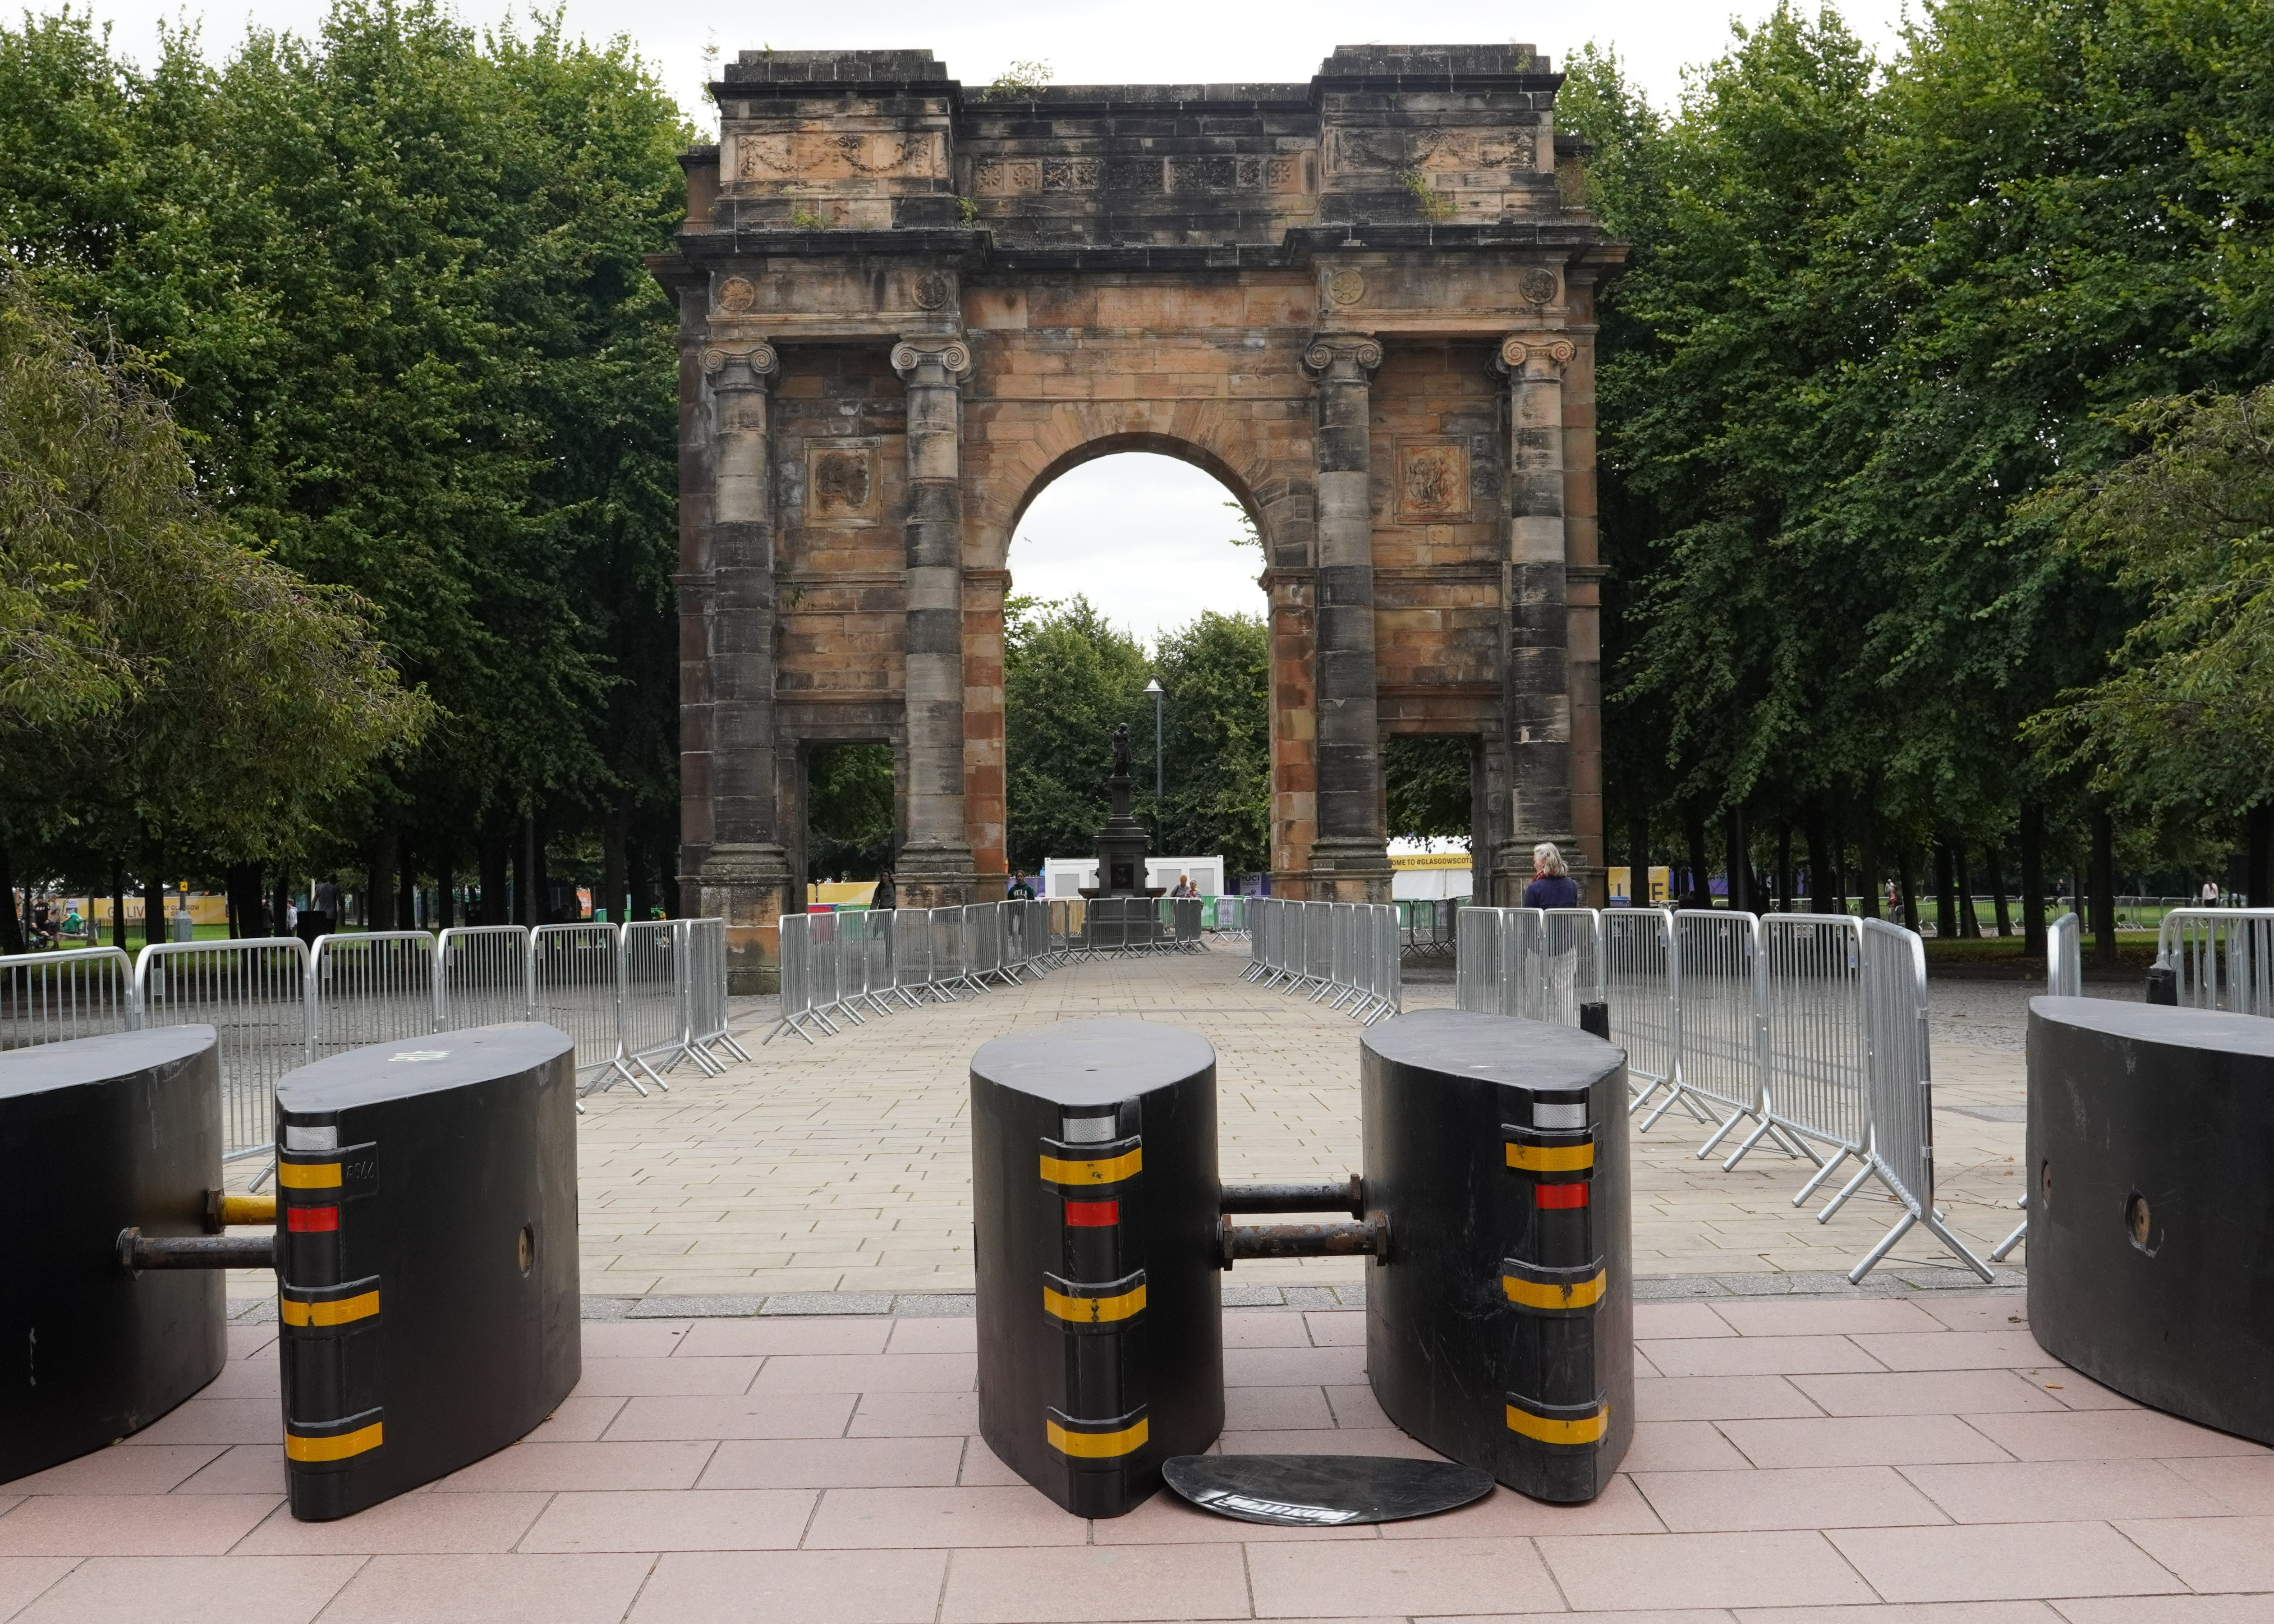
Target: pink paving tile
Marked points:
1652	1615
118	1470
584	1466
1355	1406
641	1377
1681	1446
1346	1440
1953	1350
1822	1316
1343	1327
2108	1435
23	1578
247	1341
834	1464
130	1525
793	1587
1716	1570
2171	1609
2001	1562
1719	1398
769	1415
981	1467
1643	1370
672	1520
490	1589
1256	1410
1803	1497
876	1373
2210	1553
2071	1391
1265	1328
1926	1393
958	1336
906	1519
915	1415
1909	1612
1167	1520
634	1339
2062	1490
243	1468
1130	1581
411	1524
840	1335
1861	1440
1758	1356
244	1379
1505	1514
2242	1483
1293	1367
1976	1311
214	1421
1386	1575
135	1589
578	1420
1657	1320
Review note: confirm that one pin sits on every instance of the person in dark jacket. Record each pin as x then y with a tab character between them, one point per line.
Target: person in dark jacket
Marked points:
884	896
1552	885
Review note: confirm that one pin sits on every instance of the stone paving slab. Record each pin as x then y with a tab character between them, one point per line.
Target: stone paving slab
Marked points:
1902	1455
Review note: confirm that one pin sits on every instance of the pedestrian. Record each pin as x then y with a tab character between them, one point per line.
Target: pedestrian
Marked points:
1020	891
884	896
1552	885
2210	893
328	906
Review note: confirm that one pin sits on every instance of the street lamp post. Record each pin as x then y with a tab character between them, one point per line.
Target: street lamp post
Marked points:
1154	689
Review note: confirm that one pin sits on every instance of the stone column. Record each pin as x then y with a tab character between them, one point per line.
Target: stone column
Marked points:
1539	695
934	865
745	879
1350	860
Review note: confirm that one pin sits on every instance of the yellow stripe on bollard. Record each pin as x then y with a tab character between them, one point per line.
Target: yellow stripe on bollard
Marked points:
342	1311
361	1441
1096	1446
1093	1310
1551	1158
308	1175
1109	1172
1586	1429
1557	1294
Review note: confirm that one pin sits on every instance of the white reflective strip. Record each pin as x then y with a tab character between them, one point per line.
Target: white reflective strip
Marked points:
1547	1116
1086	1129
310	1139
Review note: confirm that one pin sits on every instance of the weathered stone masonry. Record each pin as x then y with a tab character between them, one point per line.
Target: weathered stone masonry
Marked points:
1366	304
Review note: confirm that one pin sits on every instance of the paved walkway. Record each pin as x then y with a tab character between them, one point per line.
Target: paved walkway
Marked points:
844	1165
1804	1461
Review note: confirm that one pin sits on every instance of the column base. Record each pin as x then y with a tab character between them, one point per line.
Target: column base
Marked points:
748	886
932	875
1346	870
1512	869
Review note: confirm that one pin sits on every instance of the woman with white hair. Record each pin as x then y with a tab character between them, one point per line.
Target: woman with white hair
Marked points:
1552	885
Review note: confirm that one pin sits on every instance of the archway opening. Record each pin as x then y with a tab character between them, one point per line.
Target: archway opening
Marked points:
849	815
1131	568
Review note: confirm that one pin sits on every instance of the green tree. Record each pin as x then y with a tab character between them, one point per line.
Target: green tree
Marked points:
1068	677
1216	672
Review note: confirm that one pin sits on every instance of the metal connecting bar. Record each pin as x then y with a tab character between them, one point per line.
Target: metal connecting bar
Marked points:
1369	1238
137	1252
1349	1197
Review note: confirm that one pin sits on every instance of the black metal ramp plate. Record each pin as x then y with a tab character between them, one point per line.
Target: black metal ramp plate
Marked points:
1322	1490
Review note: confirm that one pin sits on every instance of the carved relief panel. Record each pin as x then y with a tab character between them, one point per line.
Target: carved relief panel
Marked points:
841	485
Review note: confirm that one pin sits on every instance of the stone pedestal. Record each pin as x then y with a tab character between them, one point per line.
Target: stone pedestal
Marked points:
1122	846
749	886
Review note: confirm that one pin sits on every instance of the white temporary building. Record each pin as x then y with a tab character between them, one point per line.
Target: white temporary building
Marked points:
1065	876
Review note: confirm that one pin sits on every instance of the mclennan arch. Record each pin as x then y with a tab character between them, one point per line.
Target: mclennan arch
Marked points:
1365	302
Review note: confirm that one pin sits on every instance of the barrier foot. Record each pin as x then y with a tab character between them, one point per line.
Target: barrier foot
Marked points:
1941	1232
654	1076
1705	1151
1824	1171
1796	1146
1665	1106
1998	1252
1847	1190
1752	1139
1887	1244
732	1048
781	1026
1638	1101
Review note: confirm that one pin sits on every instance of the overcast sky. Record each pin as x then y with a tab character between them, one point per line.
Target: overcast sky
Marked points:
1146	537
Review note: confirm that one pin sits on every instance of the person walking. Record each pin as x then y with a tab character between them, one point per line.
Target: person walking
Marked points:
884	896
2210	893
328	906
1552	885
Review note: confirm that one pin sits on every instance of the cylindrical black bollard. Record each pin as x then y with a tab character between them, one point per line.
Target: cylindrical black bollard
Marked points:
2152	1203
1500	1329
97	1136
1094	1198
426	1258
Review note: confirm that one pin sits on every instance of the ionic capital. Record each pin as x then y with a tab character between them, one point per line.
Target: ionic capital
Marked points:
932	360
1533	357
1342	358
740	367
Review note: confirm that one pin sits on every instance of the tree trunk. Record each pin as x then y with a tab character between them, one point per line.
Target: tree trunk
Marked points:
379	890
1994	856
245	912
280	894
1817	831
1970	922
11	928
1907	891
1784	866
153	894
610	902
2103	890
1838	873
445	882
1738	859
1701	887
497	849
1867	857
2257	875
117	903
1946	897
524	875
636	864
542	885
406	887
2033	879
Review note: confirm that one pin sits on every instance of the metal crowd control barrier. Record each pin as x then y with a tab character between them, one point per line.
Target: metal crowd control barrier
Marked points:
1346	953
574	986
706	988
2224	958
651	996
1642	984
484	973
1721	1017
863	963
255	996
1815	1067
372	989
2065	958
1429	924
83	992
